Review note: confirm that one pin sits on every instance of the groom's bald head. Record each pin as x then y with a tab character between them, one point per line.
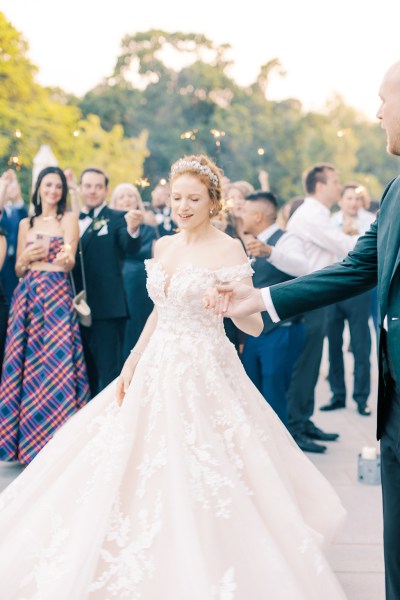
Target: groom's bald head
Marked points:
389	110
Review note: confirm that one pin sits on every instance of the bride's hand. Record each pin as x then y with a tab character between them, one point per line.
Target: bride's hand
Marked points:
216	301
234	300
125	377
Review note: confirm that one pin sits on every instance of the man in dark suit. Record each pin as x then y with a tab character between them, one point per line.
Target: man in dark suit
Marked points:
161	210
375	259
106	236
277	256
13	212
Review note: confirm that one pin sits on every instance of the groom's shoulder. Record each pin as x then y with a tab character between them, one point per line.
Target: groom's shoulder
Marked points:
393	187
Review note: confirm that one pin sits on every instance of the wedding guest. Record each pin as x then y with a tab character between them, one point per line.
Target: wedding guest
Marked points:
13	212
367	210
107	236
356	311
127	197
236	193
277	256
44	378
160	207
323	241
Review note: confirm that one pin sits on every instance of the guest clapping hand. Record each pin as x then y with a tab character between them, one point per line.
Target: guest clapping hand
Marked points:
258	249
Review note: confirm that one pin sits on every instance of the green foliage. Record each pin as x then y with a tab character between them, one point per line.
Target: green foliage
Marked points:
49	116
168	95
197	95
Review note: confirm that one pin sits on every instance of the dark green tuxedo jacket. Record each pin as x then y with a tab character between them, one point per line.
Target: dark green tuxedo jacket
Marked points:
374	260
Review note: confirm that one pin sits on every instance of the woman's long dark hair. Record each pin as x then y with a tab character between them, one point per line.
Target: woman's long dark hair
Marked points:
36	200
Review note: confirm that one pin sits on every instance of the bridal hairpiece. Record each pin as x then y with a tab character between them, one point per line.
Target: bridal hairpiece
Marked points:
184	165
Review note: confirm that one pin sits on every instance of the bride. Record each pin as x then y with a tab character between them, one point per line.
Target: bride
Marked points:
177	482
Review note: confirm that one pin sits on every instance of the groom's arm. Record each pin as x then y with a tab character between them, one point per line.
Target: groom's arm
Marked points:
356	274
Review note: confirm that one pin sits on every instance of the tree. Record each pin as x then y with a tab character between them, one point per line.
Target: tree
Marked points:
31	115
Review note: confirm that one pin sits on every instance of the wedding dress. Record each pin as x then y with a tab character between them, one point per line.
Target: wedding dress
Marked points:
192	490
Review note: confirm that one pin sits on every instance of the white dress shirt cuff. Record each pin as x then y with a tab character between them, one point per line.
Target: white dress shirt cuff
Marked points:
269	305
135	234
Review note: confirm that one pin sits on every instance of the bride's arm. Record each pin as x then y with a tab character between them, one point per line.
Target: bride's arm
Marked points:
253	324
130	364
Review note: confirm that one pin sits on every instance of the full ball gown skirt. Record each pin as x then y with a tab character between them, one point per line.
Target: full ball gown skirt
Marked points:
192	490
44	379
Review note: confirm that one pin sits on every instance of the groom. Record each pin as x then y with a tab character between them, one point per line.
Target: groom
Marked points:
375	259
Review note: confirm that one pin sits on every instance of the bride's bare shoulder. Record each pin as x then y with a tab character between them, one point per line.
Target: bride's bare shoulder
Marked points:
231	251
162	244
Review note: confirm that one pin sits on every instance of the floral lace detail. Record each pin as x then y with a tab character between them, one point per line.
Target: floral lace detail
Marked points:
104	452
50	563
128	561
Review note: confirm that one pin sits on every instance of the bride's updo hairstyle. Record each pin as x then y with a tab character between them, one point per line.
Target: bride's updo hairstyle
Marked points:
206	171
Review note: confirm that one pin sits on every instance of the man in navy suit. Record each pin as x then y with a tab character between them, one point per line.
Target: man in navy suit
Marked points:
277	256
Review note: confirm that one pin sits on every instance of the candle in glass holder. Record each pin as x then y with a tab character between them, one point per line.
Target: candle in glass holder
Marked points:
369	453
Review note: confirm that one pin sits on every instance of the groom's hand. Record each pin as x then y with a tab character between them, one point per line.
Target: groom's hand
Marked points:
234	300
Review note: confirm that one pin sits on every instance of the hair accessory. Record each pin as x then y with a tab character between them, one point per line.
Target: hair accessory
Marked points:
194	165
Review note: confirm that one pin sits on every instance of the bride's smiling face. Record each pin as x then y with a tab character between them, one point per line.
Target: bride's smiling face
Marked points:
190	202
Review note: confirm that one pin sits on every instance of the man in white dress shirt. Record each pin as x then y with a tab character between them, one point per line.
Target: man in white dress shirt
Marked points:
323	242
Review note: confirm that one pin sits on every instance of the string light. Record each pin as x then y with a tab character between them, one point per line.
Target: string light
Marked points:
142	182
340	133
261	151
76	133
216	133
189	135
18	133
15	161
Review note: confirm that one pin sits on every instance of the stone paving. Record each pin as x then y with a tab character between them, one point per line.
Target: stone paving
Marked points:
357	554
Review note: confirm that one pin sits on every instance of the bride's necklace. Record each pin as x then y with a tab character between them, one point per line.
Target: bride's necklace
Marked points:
49	218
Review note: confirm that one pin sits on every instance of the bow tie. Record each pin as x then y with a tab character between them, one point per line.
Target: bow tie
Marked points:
84	215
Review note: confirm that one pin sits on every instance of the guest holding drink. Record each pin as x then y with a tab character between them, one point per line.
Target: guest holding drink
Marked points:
44	376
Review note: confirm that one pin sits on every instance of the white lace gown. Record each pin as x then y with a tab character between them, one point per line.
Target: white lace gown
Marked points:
192	490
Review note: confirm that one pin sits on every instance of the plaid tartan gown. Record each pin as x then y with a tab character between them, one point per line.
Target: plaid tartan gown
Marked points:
44	378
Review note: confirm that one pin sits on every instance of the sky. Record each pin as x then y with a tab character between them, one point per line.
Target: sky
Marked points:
340	47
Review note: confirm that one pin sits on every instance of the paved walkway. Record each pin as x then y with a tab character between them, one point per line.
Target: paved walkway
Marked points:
357	555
